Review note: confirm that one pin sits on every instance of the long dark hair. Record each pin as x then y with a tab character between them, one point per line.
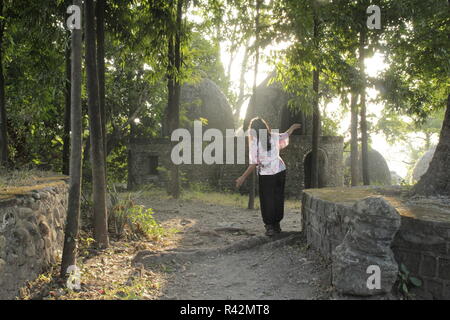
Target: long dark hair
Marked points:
258	124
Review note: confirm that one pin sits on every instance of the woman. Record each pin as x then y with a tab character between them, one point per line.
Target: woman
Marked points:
264	154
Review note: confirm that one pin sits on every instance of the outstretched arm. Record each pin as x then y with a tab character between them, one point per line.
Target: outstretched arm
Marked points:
241	179
292	128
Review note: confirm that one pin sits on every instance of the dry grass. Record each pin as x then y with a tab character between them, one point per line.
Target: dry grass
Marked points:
20	182
20	178
23	181
105	275
213	197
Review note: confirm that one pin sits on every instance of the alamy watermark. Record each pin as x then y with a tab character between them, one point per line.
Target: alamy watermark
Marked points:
374	20
74	20
74	279
374	280
190	150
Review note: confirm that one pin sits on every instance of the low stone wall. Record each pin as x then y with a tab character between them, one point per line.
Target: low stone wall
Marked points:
422	243
31	233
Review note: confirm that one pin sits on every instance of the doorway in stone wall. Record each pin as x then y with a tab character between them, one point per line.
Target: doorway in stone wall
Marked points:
322	169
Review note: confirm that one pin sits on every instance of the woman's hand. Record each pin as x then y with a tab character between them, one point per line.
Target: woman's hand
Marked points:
240	181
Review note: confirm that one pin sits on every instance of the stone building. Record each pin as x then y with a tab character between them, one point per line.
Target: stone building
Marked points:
151	158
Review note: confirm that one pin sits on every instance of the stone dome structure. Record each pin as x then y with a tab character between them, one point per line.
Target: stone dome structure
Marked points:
379	172
396	179
206	100
272	105
422	164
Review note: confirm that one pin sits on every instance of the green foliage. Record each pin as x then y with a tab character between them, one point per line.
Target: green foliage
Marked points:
84	244
125	213
417	50
405	282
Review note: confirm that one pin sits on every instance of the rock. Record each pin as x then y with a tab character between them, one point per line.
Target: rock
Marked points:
367	243
2	265
396	179
24	213
44	228
422	164
2	243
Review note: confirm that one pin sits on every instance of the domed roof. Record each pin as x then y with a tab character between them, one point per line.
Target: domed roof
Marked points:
379	173
422	164
272	105
206	100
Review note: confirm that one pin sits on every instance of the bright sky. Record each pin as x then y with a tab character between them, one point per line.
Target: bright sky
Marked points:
395	155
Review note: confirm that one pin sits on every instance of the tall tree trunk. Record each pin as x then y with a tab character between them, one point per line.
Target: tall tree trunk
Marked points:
73	209
251	196
174	92
232	55
67	116
364	134
3	119
354	140
436	181
95	127
170	86
177	94
130	180
241	96
316	113
100	13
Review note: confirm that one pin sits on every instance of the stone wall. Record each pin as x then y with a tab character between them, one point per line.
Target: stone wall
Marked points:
422	243
223	176
295	155
31	234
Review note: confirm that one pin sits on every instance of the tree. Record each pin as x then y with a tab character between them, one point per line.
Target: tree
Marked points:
67	114
73	209
67	98
308	71
315	107
437	178
100	15
362	107
3	119
95	128
251	197
174	91
354	140
241	95
418	46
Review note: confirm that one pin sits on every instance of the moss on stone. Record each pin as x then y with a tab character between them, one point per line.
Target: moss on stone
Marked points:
44	182
429	211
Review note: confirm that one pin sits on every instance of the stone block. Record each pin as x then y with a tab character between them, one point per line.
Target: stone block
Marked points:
362	247
435	288
412	261
428	266
444	268
446	294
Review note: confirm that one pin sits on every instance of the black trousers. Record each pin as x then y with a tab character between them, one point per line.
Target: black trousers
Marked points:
271	197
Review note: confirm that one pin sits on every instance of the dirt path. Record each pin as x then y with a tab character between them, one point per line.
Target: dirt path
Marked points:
221	253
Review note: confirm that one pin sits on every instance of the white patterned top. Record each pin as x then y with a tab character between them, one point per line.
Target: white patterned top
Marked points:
268	162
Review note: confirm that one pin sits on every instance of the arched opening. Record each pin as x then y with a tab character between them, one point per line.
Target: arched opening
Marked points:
322	170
